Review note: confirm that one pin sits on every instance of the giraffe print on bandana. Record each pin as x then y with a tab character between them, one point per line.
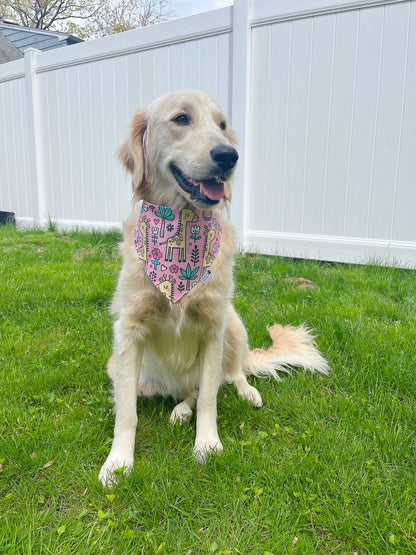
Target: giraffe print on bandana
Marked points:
177	247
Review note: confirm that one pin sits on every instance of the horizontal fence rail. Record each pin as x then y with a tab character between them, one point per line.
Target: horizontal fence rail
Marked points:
321	95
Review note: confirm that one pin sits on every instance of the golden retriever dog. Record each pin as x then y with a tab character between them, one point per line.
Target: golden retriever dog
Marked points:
176	332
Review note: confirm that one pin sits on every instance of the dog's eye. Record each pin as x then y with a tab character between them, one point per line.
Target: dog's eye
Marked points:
223	125
182	119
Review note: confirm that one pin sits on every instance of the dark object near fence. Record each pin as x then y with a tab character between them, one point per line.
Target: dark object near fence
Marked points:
7	218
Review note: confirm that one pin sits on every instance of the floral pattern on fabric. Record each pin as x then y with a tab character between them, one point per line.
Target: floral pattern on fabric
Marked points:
177	247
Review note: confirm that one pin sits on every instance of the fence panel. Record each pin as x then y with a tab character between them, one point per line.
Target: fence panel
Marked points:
331	113
16	182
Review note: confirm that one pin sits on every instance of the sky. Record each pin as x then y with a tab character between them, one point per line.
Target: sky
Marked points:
183	8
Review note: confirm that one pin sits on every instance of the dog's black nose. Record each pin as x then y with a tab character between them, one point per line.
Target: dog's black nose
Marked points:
224	156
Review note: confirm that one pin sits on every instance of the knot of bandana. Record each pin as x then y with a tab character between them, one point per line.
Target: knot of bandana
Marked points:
177	247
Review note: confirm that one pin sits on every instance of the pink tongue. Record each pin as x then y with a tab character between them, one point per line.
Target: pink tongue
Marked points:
213	190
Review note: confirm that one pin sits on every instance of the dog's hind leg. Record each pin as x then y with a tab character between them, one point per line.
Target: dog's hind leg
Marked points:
183	411
247	391
235	352
110	366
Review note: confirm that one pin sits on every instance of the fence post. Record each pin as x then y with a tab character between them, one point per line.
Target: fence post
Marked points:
40	211
240	93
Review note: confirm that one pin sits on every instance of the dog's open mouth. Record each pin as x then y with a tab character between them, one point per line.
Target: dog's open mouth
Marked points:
210	191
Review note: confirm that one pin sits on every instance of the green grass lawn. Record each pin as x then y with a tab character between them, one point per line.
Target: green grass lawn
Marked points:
326	466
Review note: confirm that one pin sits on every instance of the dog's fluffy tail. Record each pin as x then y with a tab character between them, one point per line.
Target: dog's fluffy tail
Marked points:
292	347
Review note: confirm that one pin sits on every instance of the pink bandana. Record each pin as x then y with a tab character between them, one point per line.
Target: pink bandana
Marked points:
177	247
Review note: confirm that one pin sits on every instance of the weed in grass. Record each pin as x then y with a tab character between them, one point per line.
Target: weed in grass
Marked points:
327	465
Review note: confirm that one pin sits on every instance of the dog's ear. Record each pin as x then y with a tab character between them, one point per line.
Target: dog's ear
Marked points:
132	152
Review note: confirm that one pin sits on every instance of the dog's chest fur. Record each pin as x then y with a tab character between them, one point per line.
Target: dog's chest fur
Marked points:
174	345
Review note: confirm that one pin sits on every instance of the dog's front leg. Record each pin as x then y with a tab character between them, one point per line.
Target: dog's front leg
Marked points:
207	439
128	358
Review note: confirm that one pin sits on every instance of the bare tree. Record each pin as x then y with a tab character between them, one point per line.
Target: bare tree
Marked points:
124	15
48	14
87	18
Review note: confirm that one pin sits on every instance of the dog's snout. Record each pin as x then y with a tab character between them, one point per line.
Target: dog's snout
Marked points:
224	156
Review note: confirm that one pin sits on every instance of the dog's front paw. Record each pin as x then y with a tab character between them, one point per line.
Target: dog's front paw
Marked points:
205	447
112	468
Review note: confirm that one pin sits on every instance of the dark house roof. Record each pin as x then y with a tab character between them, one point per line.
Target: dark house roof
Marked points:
8	51
14	37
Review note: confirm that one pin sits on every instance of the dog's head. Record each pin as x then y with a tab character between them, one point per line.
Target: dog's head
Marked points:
180	150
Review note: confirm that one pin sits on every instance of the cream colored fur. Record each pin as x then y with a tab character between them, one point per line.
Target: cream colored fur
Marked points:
187	349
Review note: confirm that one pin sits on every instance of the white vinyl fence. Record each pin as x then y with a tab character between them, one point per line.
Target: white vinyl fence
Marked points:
321	93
